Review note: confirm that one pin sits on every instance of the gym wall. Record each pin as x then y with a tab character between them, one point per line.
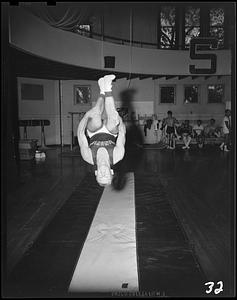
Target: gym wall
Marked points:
146	101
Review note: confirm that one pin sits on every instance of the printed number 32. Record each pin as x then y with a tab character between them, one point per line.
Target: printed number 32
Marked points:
216	291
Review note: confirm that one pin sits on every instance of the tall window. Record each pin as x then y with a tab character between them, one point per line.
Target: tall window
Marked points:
191	94
167	94
215	93
167	23
192	24
217	16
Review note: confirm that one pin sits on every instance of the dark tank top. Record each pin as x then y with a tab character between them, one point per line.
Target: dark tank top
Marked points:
105	140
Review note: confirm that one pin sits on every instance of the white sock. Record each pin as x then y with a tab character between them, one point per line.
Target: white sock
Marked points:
101	83
108	82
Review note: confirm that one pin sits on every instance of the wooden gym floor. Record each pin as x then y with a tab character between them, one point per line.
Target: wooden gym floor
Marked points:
184	214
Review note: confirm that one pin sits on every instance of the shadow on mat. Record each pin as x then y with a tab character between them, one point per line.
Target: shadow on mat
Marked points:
133	145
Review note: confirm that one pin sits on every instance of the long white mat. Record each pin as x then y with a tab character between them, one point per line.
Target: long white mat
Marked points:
108	261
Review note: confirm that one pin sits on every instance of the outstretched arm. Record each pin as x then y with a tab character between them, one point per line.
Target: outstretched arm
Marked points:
119	148
82	140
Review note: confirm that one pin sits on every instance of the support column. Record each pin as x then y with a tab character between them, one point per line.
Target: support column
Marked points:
204	21
181	28
60	113
158	34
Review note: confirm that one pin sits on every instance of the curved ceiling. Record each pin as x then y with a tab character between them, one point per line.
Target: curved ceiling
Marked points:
36	37
68	56
28	65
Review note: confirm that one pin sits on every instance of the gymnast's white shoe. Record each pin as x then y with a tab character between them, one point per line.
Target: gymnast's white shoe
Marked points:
108	82
101	83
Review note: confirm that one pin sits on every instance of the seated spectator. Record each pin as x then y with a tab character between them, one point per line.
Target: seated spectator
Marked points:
218	131
186	131
198	133
211	129
179	132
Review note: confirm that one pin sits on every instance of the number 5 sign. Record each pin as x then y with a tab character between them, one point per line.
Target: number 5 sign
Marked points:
213	42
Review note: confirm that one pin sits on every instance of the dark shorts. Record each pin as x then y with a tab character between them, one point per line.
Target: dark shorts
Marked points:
170	129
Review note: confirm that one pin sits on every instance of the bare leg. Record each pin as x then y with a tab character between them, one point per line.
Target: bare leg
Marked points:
185	142
171	140
168	138
188	141
95	123
112	120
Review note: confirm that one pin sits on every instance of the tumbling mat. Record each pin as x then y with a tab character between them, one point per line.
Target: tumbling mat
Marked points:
108	260
66	252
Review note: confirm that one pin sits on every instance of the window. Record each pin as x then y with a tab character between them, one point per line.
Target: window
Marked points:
82	94
167	23
217	25
215	93
192	24
83	30
167	94
191	94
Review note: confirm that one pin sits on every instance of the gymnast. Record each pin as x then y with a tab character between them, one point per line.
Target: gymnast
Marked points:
101	134
170	123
